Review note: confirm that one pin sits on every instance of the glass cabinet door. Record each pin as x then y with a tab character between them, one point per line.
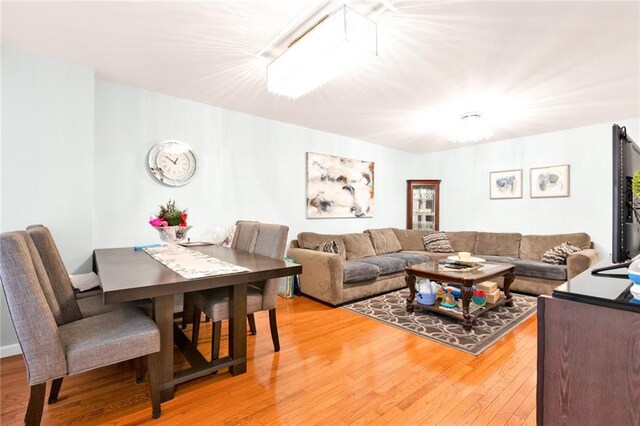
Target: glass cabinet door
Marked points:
422	204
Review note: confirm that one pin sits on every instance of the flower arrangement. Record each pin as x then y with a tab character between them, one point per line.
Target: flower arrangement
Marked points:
169	215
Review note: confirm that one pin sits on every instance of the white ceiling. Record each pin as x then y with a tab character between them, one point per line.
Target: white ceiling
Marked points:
537	66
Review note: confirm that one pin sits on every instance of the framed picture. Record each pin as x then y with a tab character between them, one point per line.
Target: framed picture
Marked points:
339	187
551	181
505	184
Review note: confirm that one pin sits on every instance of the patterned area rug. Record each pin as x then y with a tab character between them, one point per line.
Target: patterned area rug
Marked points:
487	329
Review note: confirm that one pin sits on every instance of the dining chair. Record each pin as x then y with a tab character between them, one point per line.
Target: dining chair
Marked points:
73	308
54	346
267	240
244	239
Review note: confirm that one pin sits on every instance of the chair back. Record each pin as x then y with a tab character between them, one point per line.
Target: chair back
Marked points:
20	273
245	236
271	241
58	275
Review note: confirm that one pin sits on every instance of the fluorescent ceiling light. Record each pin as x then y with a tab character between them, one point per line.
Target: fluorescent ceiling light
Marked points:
471	127
339	43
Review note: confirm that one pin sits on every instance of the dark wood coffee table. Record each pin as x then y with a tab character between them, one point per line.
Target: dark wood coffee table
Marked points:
489	271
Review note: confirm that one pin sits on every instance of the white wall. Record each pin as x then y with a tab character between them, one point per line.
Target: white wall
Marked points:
465	203
248	168
47	155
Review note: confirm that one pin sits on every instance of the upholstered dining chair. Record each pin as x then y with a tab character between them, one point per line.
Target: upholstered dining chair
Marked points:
56	342
71	307
244	239
264	239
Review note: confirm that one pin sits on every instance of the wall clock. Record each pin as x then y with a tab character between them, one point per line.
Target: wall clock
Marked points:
172	162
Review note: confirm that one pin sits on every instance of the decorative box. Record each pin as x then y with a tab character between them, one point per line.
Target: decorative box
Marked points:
493	296
487	286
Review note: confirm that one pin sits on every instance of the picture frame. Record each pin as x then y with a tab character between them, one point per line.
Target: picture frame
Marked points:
550	181
505	184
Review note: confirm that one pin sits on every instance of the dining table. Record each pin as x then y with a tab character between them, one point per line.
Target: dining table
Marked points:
129	275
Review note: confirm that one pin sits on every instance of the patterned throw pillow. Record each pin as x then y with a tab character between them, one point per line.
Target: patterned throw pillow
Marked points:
437	243
558	255
328	247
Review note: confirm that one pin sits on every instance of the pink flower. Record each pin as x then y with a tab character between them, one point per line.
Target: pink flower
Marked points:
156	222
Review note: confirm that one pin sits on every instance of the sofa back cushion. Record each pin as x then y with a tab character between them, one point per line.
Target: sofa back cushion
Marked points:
358	246
498	243
309	240
384	240
533	247
463	240
411	239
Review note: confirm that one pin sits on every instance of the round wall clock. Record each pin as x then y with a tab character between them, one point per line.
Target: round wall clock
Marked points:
172	163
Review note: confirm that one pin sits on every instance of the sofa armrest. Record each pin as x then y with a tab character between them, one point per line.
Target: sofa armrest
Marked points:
322	274
581	261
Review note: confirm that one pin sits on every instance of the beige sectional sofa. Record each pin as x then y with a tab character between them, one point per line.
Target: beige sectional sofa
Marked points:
373	262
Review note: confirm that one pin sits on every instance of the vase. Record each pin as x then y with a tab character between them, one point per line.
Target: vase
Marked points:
173	235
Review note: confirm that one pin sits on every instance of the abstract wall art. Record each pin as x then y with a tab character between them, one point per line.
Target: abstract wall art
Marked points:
551	181
339	187
505	184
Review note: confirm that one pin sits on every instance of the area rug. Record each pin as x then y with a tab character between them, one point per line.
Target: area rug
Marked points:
487	329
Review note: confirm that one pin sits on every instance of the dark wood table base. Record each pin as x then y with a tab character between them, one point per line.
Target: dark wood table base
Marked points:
466	287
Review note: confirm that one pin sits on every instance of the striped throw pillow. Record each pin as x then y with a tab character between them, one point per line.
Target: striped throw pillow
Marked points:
558	255
328	247
437	243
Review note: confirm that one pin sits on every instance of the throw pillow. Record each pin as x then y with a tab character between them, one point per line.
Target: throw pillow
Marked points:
328	247
437	243
558	255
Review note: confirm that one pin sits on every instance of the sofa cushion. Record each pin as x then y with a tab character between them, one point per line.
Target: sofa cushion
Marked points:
533	247
358	246
387	265
411	239
437	243
558	255
538	269
309	240
463	240
384	241
498	243
355	272
497	259
409	258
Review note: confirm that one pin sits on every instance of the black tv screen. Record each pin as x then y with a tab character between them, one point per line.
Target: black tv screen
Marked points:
626	207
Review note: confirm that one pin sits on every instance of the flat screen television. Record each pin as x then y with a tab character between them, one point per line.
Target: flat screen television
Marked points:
626	207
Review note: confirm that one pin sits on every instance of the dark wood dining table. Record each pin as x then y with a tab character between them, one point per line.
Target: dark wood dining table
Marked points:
129	275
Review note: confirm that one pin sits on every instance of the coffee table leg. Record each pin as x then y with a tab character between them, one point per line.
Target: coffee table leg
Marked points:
411	284
508	280
467	292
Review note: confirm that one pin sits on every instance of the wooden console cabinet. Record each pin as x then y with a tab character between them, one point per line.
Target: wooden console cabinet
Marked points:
588	364
423	204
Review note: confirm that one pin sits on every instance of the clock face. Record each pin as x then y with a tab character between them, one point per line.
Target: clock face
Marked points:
172	163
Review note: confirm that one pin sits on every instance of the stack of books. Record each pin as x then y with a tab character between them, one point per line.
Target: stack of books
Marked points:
289	286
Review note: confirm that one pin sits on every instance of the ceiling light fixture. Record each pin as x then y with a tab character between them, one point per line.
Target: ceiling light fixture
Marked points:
339	42
471	127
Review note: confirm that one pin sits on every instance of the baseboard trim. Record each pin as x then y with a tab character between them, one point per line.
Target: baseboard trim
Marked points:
10	350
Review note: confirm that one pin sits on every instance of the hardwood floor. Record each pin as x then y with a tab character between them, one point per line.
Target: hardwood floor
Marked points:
335	367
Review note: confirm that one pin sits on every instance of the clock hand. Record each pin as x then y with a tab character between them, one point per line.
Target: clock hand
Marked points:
174	161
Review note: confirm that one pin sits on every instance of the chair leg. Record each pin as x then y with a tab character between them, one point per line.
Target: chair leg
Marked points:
187	310
153	361
36	405
274	330
55	390
138	364
216	332
252	324
196	326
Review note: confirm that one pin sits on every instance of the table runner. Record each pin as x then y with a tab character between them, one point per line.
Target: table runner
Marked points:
191	263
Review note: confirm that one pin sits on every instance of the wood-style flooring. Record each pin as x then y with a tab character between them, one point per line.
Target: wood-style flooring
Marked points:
335	367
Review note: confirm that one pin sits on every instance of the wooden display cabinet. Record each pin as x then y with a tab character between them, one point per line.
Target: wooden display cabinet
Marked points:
423	199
